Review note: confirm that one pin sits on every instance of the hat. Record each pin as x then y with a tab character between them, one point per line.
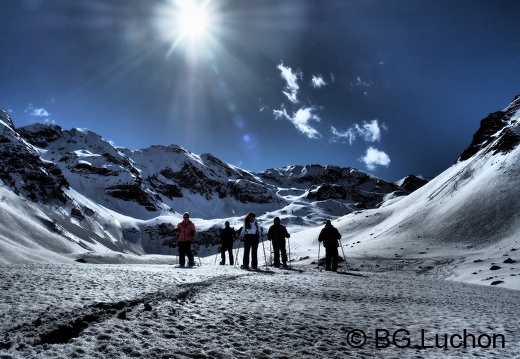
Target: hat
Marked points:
186	215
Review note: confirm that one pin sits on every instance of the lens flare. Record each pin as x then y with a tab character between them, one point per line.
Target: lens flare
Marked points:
193	21
192	25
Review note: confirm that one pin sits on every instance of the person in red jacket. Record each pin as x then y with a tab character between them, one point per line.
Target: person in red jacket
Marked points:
185	233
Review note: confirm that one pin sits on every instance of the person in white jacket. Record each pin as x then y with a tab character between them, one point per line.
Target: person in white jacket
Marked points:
250	234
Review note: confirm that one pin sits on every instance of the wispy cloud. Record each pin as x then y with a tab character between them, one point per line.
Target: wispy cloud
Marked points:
349	134
39	114
369	131
291	78
362	83
373	158
318	81
303	115
301	120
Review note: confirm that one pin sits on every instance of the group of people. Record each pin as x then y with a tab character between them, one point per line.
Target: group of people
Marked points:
250	234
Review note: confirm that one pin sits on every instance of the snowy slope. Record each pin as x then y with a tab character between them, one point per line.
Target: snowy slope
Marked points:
463	225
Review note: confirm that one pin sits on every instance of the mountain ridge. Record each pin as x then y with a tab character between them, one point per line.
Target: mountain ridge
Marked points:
80	194
161	179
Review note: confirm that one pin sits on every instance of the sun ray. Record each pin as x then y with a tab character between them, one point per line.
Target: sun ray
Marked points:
191	25
193	20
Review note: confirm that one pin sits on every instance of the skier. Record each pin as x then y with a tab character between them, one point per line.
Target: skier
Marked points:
185	233
277	234
329	235
251	236
227	236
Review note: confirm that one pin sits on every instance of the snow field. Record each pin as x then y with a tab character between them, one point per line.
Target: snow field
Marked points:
158	311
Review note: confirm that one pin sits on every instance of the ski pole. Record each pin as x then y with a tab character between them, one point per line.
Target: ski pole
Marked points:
176	239
319	247
289	245
270	252
236	257
263	246
344	258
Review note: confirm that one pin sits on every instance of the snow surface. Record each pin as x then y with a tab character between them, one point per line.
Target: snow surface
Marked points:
147	310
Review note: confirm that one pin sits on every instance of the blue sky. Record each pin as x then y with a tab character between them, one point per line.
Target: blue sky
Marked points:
389	87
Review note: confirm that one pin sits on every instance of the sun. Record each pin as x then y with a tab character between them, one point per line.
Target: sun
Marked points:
193	21
189	25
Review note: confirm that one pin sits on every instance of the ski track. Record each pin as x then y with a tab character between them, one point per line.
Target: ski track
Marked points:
157	311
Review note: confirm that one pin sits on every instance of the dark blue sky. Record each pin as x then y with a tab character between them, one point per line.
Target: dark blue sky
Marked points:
389	87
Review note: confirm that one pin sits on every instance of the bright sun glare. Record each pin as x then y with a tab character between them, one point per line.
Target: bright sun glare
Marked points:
191	25
193	20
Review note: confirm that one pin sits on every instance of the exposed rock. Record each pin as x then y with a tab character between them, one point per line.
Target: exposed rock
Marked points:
497	133
412	183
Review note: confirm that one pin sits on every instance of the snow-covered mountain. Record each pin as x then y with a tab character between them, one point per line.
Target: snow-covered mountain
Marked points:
163	180
71	194
134	197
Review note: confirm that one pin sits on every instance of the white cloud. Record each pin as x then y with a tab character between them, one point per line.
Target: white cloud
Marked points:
318	81
349	134
369	131
291	78
373	158
37	112
301	120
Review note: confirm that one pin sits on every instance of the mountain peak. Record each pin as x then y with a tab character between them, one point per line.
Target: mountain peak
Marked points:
4	117
498	132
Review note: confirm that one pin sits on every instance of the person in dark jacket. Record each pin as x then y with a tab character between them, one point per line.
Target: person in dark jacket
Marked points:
250	234
277	234
185	233
329	235
227	236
